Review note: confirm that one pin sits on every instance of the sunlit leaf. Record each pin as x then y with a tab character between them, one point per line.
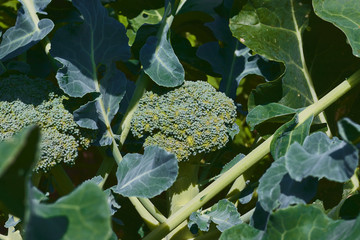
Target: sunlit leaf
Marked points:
26	32
274	30
319	156
146	175
224	214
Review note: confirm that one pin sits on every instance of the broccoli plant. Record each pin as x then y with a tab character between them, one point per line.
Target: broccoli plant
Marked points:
101	136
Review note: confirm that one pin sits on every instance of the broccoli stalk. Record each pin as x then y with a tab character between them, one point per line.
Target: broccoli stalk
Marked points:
24	102
189	121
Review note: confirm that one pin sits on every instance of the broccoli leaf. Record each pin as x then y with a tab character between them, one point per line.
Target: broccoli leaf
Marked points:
83	214
278	190
27	31
344	16
263	113
158	57
224	214
243	232
273	29
146	175
299	222
288	134
231	58
102	41
18	154
152	16
320	157
349	130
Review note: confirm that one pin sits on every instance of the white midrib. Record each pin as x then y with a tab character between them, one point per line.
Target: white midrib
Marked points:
304	67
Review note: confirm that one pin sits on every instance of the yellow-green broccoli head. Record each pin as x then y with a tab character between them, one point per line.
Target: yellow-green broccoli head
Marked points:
193	118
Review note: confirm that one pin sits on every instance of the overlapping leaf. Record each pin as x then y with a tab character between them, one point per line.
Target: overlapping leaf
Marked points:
344	15
349	130
278	190
146	175
273	29
87	52
83	214
158	57
299	222
231	58
17	158
321	157
224	214
27	30
287	134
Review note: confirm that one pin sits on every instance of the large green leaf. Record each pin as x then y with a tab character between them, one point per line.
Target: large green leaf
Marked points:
87	53
26	32
343	14
278	190
274	30
299	222
224	214
146	175
321	157
83	214
18	155
262	113
288	134
158	57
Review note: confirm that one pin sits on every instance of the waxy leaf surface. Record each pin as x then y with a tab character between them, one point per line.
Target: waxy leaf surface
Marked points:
321	157
87	52
146	175
224	214
26	32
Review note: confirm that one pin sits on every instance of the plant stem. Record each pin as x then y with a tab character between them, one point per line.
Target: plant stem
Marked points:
63	183
252	158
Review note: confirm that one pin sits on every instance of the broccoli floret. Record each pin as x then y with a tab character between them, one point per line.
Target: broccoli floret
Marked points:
191	119
24	102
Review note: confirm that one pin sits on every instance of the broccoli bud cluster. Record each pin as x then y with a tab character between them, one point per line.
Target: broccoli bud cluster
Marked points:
24	102
191	119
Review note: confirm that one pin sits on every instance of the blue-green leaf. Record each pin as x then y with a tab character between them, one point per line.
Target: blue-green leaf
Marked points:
344	15
158	57
288	134
278	190
87	52
224	214
321	157
299	222
83	214
26	32
146	175
349	130
18	154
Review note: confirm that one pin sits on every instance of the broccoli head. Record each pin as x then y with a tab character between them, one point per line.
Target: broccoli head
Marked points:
24	102
191	119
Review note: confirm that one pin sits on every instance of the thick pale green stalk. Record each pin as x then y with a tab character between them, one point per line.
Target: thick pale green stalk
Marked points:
247	162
